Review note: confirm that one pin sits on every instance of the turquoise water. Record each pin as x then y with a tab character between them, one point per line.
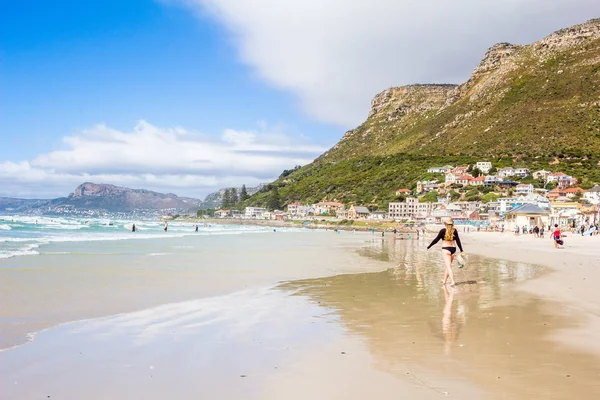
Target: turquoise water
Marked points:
25	235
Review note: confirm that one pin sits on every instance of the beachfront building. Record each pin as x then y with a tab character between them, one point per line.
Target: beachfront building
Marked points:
427	186
491	181
484	166
565	213
328	207
522	172
562	180
254	212
293	208
378	215
524	189
410	209
528	215
440	170
506	172
358	212
593	195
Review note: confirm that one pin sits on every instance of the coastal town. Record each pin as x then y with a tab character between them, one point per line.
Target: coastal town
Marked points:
477	195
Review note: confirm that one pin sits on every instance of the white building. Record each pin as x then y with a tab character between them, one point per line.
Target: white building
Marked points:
524	189
593	195
484	166
543	174
506	172
562	180
522	172
440	170
427	186
410	209
491	181
254	212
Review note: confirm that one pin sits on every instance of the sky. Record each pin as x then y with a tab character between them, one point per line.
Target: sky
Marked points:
189	96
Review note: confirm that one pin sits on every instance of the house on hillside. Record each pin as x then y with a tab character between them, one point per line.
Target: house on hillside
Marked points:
484	166
463	180
440	170
572	192
491	181
541	174
406	192
427	186
506	172
358	212
451	178
562	180
593	195
461	169
524	188
528	215
507	184
522	172
479	181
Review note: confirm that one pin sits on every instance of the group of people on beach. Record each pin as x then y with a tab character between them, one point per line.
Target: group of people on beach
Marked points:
537	231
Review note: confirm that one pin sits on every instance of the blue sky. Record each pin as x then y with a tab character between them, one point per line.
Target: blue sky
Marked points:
69	65
189	96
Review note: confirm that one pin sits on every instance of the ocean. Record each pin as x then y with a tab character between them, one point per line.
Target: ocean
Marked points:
24	235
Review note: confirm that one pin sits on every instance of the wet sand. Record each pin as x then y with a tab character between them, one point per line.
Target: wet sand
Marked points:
345	323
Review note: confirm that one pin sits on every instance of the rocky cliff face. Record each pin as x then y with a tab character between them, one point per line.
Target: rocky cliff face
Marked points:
516	91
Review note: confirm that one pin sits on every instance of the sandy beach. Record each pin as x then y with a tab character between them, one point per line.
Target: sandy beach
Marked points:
311	314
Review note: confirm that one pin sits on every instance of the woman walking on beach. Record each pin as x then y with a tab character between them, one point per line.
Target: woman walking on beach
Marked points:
450	239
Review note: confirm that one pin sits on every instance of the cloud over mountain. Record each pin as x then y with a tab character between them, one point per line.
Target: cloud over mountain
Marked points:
162	159
334	55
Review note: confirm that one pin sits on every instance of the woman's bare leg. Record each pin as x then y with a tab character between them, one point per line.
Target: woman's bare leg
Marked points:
448	261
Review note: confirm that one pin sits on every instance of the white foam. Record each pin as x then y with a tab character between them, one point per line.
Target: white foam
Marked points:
5	227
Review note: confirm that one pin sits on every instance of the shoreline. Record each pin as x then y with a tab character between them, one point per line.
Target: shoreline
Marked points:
571	284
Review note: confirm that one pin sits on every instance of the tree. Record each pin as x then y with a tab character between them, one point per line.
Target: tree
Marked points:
430	197
243	193
233	196
493	170
226	202
489	197
454	195
476	172
274	201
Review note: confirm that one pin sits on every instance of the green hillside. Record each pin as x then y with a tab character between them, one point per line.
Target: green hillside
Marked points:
536	106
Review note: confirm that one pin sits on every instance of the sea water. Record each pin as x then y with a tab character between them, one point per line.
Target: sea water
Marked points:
23	235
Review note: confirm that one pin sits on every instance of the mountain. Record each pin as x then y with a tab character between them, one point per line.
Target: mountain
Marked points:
120	199
215	200
19	205
104	197
535	105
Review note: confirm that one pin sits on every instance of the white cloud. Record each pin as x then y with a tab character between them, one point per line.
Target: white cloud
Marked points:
154	158
336	54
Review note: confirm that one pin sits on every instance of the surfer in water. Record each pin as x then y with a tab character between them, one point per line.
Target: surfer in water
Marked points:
133	228
450	240
166	226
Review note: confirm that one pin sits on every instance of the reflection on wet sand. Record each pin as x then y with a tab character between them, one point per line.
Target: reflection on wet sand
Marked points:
487	333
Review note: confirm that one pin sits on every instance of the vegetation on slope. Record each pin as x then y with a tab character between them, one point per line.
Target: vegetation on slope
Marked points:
535	106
